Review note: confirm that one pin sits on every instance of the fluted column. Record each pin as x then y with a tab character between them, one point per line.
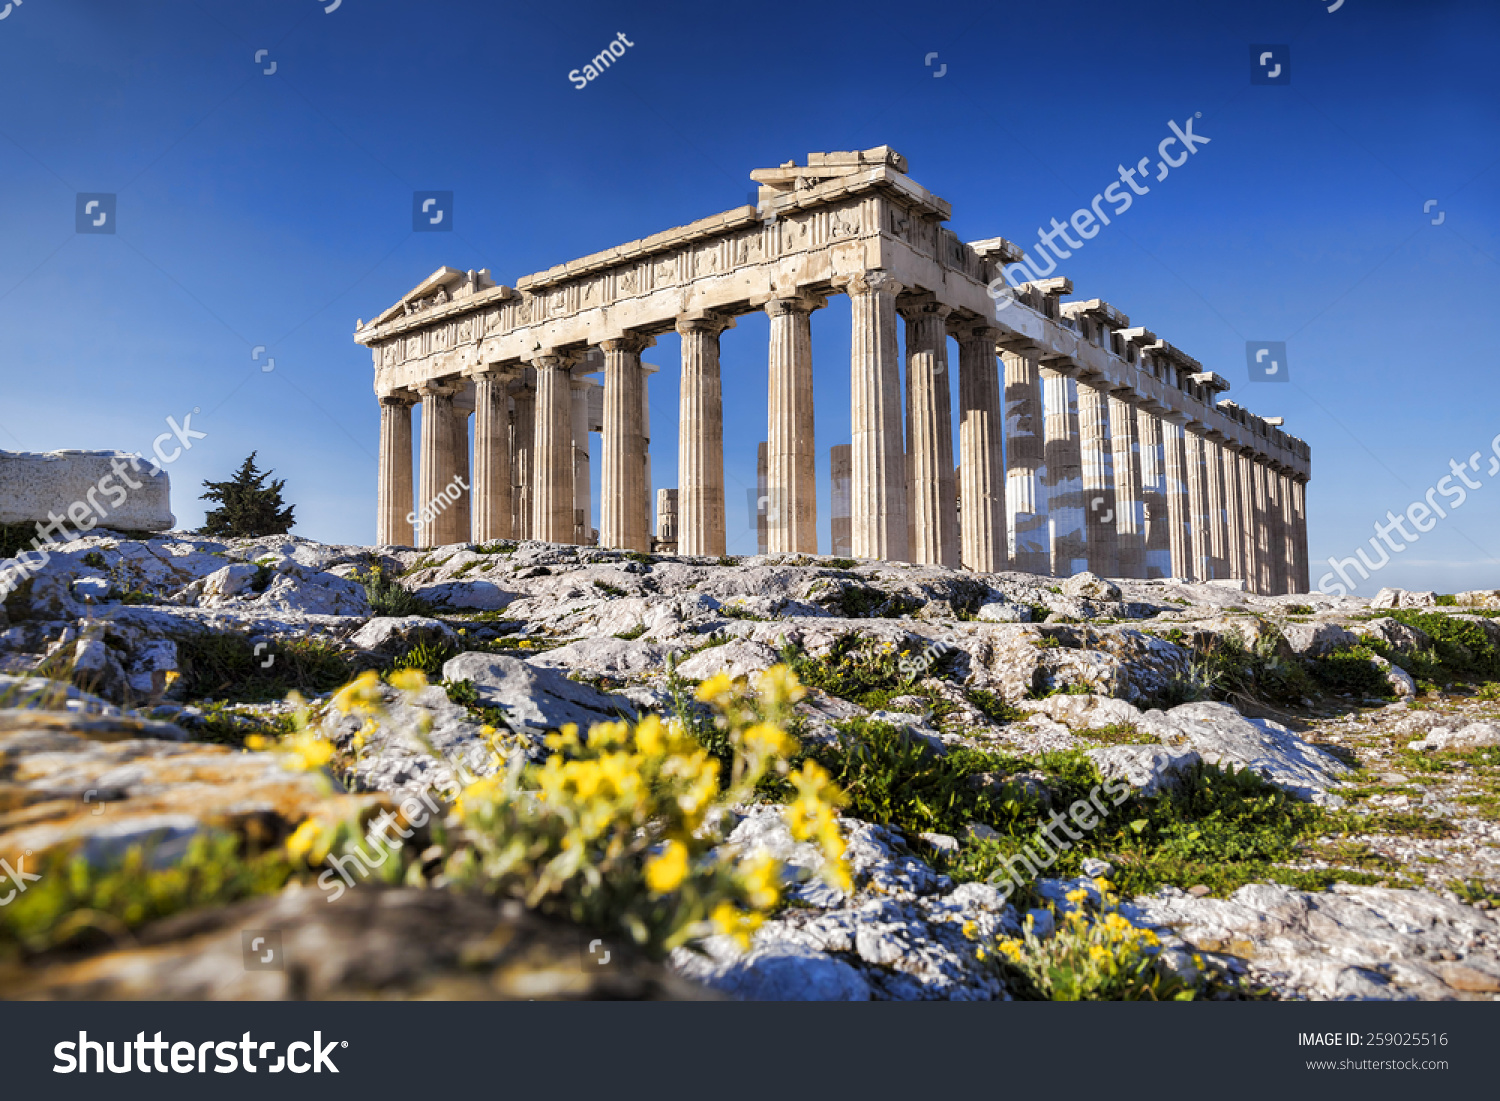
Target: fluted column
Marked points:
1266	570
932	517
981	468
839	465
583	507
1213	485
459	489
1130	510
1158	539
1025	469
1102	543
878	459
1246	468
523	456
394	506
791	454
1299	511
622	516
1197	486
700	447
493	507
1276	530
1234	534
1179	511
1063	475
1288	532
436	522
552	491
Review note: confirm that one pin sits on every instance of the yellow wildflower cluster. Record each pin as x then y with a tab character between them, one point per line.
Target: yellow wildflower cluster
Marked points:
1093	954
617	829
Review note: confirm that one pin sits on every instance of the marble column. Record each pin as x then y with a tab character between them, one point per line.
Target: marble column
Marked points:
493	507
1063	475
523	458
648	505
1234	535
436	524
791	455
1158	520
1197	487
1130	511
1299	512
1102	543
981	470
1289	531
1025	470
462	479
622	514
1266	570
552	519
878	467
700	447
1213	482
840	463
1179	510
667	528
762	499
931	518
1245	465
394	512
1275	530
583	502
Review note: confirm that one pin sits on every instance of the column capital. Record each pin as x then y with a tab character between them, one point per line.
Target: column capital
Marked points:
869	282
436	388
920	305
704	321
492	371
398	398
782	305
628	342
964	328
551	359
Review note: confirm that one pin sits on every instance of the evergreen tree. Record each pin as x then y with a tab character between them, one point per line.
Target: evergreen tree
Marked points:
249	507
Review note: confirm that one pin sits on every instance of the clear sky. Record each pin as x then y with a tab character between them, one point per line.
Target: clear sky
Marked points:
271	211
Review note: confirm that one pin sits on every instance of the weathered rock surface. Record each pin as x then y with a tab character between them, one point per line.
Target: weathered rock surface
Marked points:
40	485
535	697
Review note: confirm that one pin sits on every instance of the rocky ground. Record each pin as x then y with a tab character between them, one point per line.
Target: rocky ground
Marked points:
1364	863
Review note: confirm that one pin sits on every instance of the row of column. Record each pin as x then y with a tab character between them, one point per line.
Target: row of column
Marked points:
1055	474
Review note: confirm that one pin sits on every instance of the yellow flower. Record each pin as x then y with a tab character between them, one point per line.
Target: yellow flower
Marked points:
259	743
1103	886
409	680
308	752
763	883
778	687
970	930
767	740
730	920
360	694
716	689
1077	896
666	872
307	839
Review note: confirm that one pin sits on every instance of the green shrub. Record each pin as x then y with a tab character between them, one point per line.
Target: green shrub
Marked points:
429	657
1463	649
1349	669
388	597
223	666
994	707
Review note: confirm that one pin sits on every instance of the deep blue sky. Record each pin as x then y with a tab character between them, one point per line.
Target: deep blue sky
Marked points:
275	210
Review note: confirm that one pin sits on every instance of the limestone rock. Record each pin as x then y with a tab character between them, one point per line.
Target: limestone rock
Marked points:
1149	769
740	658
1393	633
534	697
394	634
779	972
1401	682
1084	712
1473	736
1087	586
51	482
1222	736
1311	640
370	942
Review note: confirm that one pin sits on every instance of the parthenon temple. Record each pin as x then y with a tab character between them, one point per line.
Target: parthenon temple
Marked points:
1083	442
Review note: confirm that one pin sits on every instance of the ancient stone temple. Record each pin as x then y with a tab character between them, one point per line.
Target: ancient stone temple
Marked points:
1083	442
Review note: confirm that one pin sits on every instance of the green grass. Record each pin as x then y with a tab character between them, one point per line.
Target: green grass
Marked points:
994	707
1349	669
226	667
870	675
389	597
865	602
633	633
1463	650
609	590
429	657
